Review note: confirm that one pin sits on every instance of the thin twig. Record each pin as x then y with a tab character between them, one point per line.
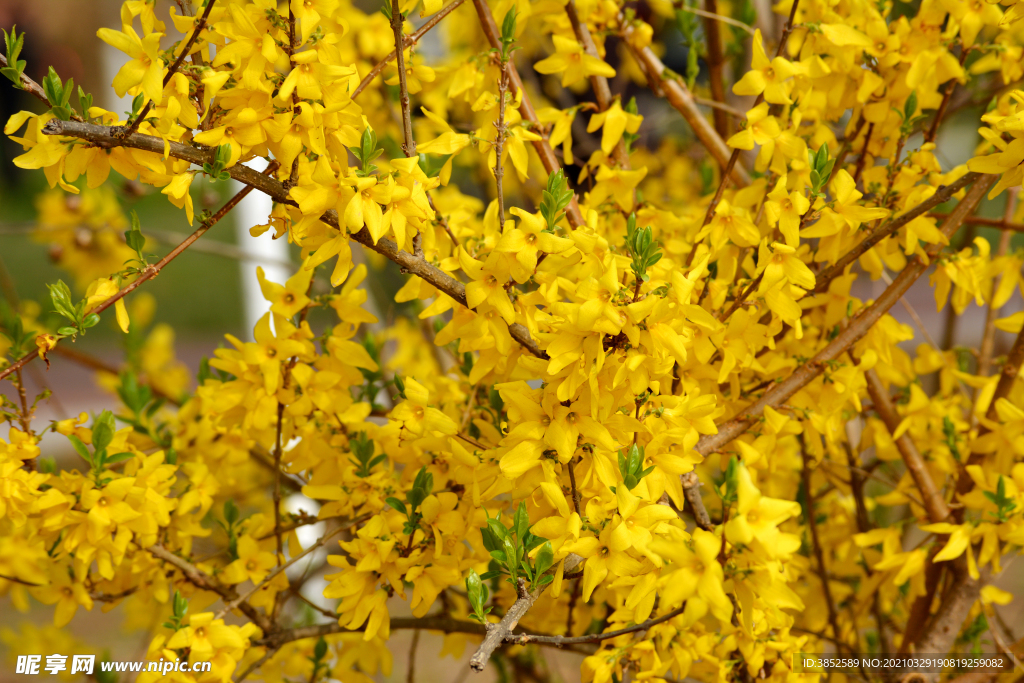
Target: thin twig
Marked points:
943	194
819	555
234	604
409	144
717	17
595	637
409	41
202	580
526	110
200	25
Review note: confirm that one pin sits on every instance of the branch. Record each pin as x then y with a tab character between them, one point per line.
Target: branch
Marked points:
204	581
151	271
819	555
707	14
989	336
502	631
691	491
857	328
200	25
934	503
946	624
34	89
409	146
941	196
716	63
104	136
1001	223
409	41
523	639
526	110
234	604
602	92
680	97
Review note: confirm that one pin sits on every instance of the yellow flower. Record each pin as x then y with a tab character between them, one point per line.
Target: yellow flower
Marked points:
768	77
756	519
289	299
525	240
144	69
572	62
786	209
252	564
614	121
205	636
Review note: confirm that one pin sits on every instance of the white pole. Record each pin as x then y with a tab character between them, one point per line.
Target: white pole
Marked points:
271	254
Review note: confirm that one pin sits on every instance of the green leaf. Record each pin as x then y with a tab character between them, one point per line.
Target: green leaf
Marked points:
910	107
61	297
117	457
320	650
508	27
521	521
545	558
497	529
80	448
103	431
511	556
397	504
67	331
91	320
230	512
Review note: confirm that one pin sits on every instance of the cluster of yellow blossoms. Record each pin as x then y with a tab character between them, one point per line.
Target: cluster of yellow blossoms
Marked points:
662	388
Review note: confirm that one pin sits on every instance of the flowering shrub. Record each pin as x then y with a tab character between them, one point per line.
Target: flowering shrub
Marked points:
636	410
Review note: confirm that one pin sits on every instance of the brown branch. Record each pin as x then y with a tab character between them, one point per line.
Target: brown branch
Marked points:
934	503
989	336
23	582
204	581
409	145
409	41
1000	223
278	448
525	638
272	187
716	64
941	632
200	25
502	631
150	271
526	110
819	555
239	601
680	97
576	495
691	491
929	136
942	194
858	327
602	91
500	133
